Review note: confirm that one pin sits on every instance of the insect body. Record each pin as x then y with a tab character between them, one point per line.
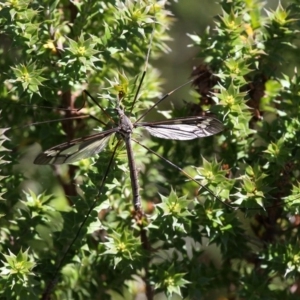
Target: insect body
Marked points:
176	129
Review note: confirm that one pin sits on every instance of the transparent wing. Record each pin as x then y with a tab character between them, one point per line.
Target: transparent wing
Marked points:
75	150
183	128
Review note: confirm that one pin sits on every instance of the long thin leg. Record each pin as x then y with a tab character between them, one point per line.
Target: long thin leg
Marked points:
101	108
161	99
52	283
144	72
203	186
185	173
65	119
57	120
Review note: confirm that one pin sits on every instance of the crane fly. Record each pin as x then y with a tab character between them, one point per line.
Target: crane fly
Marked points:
186	128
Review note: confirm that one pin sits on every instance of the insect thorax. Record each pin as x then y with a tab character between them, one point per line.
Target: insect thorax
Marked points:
124	122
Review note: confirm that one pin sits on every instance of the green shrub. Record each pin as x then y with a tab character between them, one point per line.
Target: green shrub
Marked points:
65	235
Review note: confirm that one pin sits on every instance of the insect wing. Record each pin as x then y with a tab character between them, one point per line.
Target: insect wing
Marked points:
183	128
75	150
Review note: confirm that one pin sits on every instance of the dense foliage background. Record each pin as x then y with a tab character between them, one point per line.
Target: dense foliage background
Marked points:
64	235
